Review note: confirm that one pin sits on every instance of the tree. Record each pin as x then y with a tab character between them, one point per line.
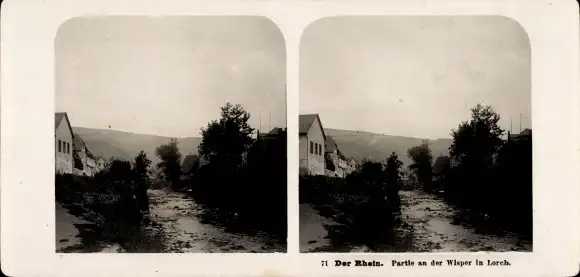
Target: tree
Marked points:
170	163
225	141
394	169
122	176
120	171
141	166
141	171
441	169
422	164
478	140
372	176
476	144
394	177
266	178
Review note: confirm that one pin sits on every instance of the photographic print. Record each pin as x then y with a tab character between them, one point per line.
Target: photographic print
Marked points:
415	135
170	135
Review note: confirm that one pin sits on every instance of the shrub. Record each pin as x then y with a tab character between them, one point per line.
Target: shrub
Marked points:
356	202
115	195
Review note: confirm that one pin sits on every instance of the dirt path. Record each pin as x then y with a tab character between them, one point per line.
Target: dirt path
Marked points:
313	234
67	235
431	222
184	232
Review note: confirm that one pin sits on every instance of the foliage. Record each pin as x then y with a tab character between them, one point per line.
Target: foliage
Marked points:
190	165
357	201
141	166
512	189
266	171
170	164
117	195
142	172
441	169
475	142
224	141
394	169
490	179
422	164
245	182
394	178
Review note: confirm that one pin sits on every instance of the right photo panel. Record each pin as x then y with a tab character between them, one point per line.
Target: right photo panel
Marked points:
415	135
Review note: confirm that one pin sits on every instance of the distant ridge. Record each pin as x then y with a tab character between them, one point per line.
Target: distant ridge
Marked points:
356	144
126	145
362	145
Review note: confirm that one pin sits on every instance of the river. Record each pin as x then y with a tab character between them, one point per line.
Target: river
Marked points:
175	227
184	232
428	222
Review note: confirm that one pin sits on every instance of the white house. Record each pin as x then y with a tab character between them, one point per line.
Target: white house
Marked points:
311	144
63	138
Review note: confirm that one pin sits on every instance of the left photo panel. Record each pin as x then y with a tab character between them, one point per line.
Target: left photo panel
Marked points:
170	135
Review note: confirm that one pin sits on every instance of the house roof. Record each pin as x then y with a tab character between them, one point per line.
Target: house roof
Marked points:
305	122
58	117
522	134
330	144
78	142
526	132
276	131
273	133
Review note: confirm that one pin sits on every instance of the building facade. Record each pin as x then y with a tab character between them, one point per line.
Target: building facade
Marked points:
340	164
63	144
85	161
311	144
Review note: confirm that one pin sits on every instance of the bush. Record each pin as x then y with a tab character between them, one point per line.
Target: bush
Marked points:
364	204
116	196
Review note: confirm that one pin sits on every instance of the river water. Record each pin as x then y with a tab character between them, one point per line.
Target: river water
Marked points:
428	223
179	217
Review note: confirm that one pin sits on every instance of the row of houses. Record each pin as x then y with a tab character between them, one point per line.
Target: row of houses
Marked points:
72	156
318	153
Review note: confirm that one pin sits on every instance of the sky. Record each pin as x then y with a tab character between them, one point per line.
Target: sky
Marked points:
414	76
169	76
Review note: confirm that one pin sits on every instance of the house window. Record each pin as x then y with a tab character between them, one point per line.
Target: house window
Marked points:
316	148
320	149
59	145
311	147
68	147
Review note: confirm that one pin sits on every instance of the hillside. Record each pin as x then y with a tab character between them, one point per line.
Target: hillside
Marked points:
359	145
125	145
365	145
